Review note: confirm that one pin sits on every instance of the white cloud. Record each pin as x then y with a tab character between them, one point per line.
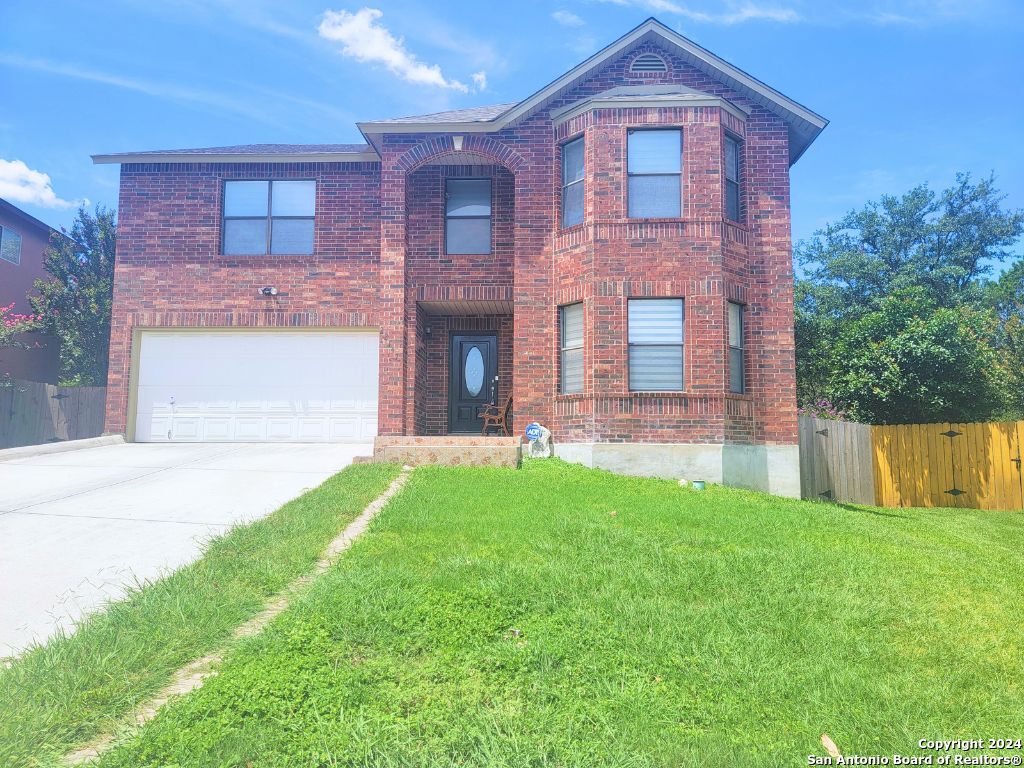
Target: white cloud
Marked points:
480	80
567	19
365	40
21	184
732	13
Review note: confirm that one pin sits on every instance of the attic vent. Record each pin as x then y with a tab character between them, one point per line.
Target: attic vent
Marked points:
648	63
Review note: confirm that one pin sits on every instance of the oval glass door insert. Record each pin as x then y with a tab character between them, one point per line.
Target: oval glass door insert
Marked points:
474	373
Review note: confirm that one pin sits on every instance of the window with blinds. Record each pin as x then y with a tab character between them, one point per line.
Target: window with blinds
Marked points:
655	345
572	183
737	374
571	322
733	209
10	246
654	166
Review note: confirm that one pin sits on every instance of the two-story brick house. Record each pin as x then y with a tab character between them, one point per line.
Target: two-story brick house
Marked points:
613	251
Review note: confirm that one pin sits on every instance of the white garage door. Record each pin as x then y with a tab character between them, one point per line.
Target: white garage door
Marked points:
253	387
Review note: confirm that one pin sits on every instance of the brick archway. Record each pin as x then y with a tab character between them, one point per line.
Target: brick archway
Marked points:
475	144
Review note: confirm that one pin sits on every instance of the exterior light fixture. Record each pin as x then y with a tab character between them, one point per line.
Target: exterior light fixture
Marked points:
270	290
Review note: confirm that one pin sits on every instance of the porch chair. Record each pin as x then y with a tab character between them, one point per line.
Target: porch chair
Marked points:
495	417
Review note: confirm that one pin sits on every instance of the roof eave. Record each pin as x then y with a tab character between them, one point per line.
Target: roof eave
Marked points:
236	157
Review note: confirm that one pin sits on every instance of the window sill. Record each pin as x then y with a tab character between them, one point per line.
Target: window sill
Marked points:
266	255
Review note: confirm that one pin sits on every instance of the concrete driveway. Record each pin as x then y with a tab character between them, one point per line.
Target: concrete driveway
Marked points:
77	527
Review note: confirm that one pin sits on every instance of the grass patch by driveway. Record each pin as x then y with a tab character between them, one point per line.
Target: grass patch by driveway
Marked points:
60	695
559	616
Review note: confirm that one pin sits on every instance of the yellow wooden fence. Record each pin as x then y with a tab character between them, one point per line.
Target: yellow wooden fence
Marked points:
975	466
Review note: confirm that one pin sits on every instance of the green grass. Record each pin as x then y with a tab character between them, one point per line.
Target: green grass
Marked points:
501	618
60	695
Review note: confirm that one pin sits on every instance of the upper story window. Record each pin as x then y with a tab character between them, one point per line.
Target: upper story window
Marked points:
737	373
10	246
571	346
655	345
572	182
733	152
268	217
467	226
654	165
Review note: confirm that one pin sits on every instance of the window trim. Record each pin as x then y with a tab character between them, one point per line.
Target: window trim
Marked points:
269	218
681	344
489	217
742	348
21	242
562	348
679	174
738	181
581	181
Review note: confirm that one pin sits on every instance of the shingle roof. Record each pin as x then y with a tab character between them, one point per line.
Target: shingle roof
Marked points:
264	153
263	149
471	115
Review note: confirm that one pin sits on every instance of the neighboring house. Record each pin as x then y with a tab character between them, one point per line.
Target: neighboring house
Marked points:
23	243
614	251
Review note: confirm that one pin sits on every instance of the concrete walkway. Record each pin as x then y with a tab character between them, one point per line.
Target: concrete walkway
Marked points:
77	527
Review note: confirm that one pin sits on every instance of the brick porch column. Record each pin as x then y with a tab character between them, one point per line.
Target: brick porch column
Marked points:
391	299
534	316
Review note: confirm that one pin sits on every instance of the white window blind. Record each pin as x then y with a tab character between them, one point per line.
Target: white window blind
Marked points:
732	179
10	246
572	183
655	345
737	374
572	348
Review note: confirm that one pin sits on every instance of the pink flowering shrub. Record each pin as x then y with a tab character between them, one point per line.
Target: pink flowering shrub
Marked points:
13	324
823	409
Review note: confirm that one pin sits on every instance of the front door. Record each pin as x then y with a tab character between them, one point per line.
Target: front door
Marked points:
472	380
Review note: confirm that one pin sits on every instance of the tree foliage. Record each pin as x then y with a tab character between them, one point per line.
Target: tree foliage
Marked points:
896	320
74	305
910	361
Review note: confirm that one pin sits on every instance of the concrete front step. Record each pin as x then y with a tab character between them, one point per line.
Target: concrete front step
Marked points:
453	450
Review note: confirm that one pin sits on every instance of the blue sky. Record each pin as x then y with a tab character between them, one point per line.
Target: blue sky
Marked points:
915	89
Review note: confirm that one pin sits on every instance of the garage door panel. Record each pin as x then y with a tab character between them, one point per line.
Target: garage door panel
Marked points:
256	386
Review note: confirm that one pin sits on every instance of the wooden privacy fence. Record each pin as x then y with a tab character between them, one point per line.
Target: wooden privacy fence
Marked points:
835	461
32	413
975	466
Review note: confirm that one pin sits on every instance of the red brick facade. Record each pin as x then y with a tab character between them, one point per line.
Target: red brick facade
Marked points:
379	262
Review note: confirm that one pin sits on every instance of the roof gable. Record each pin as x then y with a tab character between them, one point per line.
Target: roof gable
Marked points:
804	124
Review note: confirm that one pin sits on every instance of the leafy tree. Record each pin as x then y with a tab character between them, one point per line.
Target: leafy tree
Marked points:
1006	296
937	248
943	243
911	361
75	304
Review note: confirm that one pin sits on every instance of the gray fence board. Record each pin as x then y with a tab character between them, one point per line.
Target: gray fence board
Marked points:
836	461
32	413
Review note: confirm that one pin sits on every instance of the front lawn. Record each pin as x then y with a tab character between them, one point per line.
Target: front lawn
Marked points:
568	617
